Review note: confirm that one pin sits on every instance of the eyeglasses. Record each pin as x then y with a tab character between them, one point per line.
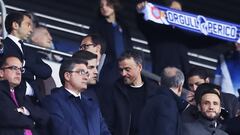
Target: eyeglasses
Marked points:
86	46
81	72
15	68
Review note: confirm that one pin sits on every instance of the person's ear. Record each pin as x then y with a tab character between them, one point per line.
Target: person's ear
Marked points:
180	89
98	48
15	25
1	74
67	76
199	107
140	67
207	80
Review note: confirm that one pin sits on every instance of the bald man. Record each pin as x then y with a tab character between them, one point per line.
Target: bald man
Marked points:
162	112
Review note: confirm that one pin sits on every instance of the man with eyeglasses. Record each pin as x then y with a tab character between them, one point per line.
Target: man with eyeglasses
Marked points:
18	114
107	69
74	113
91	59
94	44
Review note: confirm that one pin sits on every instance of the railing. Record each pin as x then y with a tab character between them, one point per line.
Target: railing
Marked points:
136	40
48	50
3	16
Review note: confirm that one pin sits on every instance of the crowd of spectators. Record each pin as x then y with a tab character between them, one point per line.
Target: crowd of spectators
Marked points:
103	89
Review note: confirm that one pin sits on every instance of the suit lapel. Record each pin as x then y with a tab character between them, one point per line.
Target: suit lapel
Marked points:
13	46
20	93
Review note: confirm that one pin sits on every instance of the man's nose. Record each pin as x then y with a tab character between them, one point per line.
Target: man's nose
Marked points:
195	87
123	73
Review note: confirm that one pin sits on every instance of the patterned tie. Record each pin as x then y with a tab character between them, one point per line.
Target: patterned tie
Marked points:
13	96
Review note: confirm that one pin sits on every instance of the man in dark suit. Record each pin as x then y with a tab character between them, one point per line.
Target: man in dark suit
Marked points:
94	43
73	113
107	70
18	114
91	59
161	115
19	28
208	101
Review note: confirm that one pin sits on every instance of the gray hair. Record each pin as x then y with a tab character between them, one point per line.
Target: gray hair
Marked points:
131	54
172	77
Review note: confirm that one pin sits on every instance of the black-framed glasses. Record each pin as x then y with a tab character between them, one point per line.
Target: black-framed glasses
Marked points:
15	68
81	72
86	46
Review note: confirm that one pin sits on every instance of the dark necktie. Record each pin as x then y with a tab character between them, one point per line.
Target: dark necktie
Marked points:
22	45
80	103
13	96
21	42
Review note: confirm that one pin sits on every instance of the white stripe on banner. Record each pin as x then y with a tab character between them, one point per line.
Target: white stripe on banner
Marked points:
196	23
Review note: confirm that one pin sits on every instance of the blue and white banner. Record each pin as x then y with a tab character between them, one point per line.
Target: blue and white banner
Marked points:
196	23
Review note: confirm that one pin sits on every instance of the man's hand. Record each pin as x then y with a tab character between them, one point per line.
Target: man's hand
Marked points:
140	6
190	98
23	110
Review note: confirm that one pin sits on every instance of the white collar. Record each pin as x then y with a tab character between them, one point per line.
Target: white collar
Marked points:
73	93
137	86
16	41
14	38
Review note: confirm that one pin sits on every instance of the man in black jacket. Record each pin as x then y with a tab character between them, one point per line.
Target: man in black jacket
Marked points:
229	102
208	102
161	115
130	94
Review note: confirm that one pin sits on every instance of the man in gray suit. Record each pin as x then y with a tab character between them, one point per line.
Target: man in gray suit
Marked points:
209	105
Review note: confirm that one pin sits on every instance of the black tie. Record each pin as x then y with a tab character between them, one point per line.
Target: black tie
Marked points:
80	103
21	42
22	46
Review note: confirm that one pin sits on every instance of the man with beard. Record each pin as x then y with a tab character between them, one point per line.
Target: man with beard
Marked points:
130	94
209	105
198	76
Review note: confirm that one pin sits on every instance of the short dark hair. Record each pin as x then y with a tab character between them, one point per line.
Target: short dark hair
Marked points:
172	78
131	54
68	65
116	4
97	39
15	17
84	55
3	60
206	88
202	73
